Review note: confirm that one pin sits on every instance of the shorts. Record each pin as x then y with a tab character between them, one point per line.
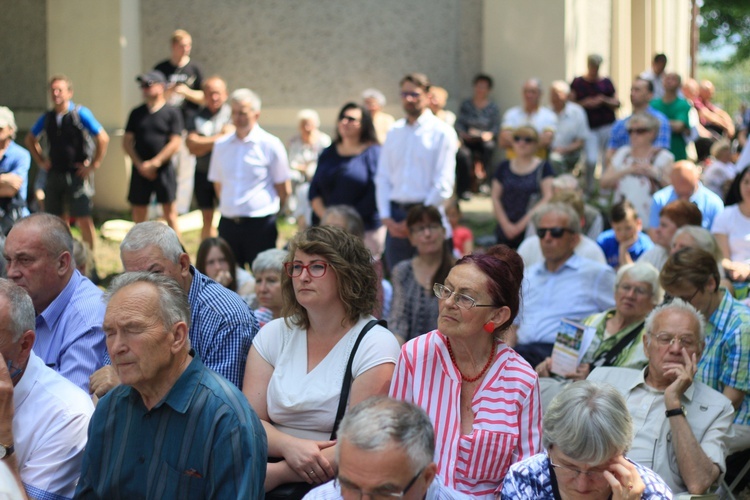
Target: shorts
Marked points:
205	194
165	186
66	189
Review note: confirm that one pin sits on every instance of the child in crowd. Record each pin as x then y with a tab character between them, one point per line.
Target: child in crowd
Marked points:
720	170
626	241
463	238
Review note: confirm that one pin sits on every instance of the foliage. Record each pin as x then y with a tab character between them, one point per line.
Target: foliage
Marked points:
726	22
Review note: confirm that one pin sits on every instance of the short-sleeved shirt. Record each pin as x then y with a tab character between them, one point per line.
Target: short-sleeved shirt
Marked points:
602	114
17	160
190	75
619	136
709	203
66	143
518	189
678	110
87	120
733	224
611	247
153	131
207	124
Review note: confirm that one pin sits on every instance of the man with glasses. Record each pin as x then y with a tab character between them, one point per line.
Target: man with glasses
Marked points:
563	285
153	134
417	166
385	450
682	426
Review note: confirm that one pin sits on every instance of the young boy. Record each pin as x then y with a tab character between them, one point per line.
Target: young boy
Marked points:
625	242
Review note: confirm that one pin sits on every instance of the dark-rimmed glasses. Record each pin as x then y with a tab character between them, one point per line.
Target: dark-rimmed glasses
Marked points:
567	472
523	138
639	130
316	269
669	298
351	492
442	292
349	119
555	232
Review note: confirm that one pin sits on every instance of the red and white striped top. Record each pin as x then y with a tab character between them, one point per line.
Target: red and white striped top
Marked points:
507	412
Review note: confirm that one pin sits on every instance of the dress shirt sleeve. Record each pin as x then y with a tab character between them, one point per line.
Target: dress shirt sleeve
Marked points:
403	376
604	287
735	370
82	357
383	180
214	165
715	440
530	424
231	343
278	168
444	173
664	137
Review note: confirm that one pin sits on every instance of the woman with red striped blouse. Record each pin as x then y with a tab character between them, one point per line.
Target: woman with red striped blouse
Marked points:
481	396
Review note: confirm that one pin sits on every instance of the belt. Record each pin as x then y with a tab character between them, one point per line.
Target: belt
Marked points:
240	220
405	206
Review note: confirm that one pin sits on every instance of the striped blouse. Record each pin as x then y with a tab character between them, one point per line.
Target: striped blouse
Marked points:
507	413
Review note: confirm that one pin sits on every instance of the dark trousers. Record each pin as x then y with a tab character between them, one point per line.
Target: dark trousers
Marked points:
248	236
534	352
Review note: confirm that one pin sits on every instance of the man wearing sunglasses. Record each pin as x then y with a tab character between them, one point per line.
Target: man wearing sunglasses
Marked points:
563	285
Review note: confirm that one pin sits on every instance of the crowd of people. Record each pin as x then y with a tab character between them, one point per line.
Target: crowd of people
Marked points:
265	372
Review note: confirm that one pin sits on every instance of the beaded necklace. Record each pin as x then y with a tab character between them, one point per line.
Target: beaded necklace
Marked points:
481	373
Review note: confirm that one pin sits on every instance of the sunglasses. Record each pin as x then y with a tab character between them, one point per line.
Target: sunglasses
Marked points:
146	85
555	232
639	130
524	138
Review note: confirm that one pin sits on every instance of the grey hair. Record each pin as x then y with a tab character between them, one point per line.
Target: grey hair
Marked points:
643	272
380	422
677	305
269	260
566	182
595	59
703	240
536	81
156	234
173	300
574	220
589	422
354	224
242	96
309	114
374	94
560	85
21	311
647	119
56	233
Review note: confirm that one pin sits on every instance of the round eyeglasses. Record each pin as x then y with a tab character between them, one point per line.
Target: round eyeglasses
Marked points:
442	292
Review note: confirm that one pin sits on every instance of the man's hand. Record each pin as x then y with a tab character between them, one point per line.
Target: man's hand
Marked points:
683	378
148	169
103	380
397	229
13	180
6	404
84	169
581	372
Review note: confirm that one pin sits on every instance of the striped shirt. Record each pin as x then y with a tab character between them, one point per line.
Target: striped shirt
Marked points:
69	336
506	406
201	441
726	357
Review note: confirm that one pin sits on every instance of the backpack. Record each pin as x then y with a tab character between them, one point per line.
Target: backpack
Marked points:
89	144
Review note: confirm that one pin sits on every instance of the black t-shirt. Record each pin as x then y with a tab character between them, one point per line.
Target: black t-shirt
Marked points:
190	75
153	130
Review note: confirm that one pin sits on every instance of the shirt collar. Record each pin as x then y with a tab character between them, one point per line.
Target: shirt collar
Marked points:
641	380
254	136
424	117
181	394
55	309
195	286
573	263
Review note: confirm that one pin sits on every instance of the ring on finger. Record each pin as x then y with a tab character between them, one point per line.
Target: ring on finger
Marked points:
312	473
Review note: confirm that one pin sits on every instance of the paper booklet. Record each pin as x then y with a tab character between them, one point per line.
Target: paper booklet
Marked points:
571	344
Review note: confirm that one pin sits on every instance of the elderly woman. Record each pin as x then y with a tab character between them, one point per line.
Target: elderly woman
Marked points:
732	226
618	340
481	396
587	430
520	185
374	101
691	275
674	215
638	170
295	368
415	309
268	268
216	260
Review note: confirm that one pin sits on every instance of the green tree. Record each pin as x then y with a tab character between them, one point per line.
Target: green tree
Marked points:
726	22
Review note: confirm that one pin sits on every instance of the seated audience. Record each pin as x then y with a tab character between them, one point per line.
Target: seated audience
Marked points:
221	327
572	129
385	449
268	268
618	339
463	238
625	242
216	260
720	171
563	285
415	307
477	125
295	368
69	308
174	428
530	113
438	98
640	168
691	275
685	184
520	185
673	216
374	102
678	420
15	162
44	417
482	398
731	229
695	236
586	432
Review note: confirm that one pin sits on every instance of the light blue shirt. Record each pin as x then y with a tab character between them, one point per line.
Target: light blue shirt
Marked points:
709	203
436	491
579	288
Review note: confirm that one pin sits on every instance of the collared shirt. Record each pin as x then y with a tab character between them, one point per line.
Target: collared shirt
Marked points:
417	163
531	251
69	335
201	441
248	170
708	412
619	136
436	491
535	478
507	412
49	427
579	288
630	356
17	160
709	202
726	357
572	125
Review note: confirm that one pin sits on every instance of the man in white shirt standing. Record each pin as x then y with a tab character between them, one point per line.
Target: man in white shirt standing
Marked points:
572	129
417	166
250	172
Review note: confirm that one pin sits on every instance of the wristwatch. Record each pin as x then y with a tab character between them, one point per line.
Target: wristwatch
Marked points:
676	412
6	451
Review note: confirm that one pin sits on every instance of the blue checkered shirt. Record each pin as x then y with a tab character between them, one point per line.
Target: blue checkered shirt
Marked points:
619	137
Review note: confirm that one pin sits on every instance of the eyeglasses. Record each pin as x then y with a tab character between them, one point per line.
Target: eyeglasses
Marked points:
569	473
523	138
349	119
555	232
422	228
669	298
352	492
442	292
316	269
413	95
638	290
639	130
665	339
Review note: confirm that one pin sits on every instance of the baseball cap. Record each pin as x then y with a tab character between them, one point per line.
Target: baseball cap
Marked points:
151	77
7	119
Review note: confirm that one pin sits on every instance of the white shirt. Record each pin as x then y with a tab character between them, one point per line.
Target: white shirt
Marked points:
542	119
9	490
50	428
304	404
531	252
572	124
436	491
417	163
248	169
736	227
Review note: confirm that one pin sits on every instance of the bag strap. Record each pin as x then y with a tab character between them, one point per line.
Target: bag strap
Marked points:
347	384
606	359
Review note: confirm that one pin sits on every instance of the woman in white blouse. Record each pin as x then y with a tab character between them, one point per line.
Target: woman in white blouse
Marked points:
731	228
295	368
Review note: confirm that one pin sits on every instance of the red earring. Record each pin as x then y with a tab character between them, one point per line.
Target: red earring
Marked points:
489	327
